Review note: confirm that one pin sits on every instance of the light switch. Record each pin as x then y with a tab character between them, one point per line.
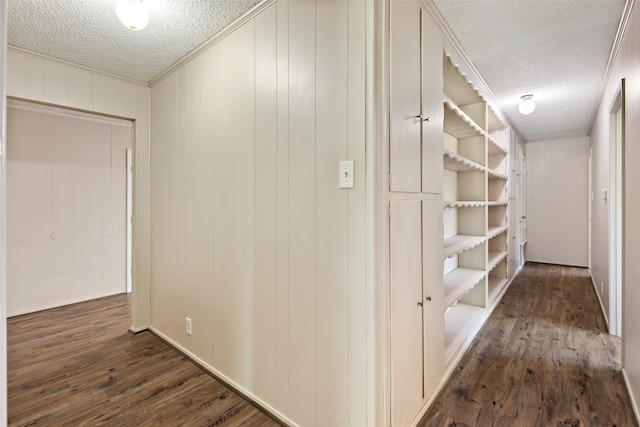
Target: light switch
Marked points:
346	174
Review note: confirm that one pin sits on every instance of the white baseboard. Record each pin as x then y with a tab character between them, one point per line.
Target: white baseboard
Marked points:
634	403
595	288
226	380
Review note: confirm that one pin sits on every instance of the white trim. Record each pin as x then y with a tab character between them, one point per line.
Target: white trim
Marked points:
622	28
213	40
3	215
224	379
30	105
73	64
595	288
634	405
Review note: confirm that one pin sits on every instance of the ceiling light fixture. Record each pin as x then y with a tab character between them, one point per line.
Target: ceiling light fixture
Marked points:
527	105
132	13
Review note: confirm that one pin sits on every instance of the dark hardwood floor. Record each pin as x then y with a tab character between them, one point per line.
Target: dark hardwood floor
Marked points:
79	366
544	358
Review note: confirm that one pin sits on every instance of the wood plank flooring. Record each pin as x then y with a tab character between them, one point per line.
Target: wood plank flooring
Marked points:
543	358
79	366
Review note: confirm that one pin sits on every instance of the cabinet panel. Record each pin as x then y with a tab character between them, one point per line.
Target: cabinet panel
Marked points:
406	313
404	126
433	294
432	136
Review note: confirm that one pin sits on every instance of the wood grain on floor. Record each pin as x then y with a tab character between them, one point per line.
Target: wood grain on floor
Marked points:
79	366
544	358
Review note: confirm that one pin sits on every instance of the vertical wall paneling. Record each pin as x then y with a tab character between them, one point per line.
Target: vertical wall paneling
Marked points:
282	224
332	234
266	208
302	213
283	282
233	294
357	392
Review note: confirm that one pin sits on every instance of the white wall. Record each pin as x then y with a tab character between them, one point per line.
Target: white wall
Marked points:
66	207
252	238
3	216
42	79
627	66
557	201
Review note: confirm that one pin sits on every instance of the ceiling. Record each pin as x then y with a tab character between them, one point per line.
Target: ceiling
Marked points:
556	50
87	32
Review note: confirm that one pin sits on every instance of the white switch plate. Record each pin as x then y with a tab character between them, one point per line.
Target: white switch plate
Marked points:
346	174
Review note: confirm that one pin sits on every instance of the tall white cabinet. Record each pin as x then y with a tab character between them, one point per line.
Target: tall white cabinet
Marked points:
447	197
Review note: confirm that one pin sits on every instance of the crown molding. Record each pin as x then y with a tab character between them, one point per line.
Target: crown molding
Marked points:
213	40
613	55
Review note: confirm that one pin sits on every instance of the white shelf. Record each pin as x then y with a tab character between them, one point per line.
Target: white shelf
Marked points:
459	282
459	323
465	204
495	175
495	230
494	122
457	244
456	162
496	284
494	147
494	259
457	123
497	203
457	86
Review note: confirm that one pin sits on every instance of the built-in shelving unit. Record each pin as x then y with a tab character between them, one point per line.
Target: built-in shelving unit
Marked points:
475	206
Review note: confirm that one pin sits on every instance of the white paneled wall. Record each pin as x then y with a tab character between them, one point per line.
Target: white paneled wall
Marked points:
42	79
557	201
627	66
66	208
252	237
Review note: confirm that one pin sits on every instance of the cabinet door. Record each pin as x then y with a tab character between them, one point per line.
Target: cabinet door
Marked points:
404	125
432	107
433	295
406	310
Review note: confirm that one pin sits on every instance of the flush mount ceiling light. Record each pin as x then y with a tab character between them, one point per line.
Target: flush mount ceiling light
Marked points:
132	13
527	105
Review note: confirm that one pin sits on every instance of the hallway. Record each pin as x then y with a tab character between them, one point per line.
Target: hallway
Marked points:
544	358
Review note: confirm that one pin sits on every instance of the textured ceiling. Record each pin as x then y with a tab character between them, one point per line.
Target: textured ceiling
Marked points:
87	32
555	49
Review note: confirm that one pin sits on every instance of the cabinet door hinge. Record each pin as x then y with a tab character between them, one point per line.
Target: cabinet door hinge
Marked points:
389	212
389	181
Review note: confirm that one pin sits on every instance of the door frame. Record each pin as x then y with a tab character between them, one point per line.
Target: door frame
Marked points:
616	209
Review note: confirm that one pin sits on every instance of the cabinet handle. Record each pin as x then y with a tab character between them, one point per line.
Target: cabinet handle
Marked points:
428	298
420	303
424	119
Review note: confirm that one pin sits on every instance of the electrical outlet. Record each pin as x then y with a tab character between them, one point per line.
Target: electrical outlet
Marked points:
188	328
601	287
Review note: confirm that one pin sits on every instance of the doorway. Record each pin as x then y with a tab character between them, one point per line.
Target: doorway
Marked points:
68	206
616	210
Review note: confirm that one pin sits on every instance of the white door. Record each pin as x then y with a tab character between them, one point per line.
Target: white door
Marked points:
406	310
